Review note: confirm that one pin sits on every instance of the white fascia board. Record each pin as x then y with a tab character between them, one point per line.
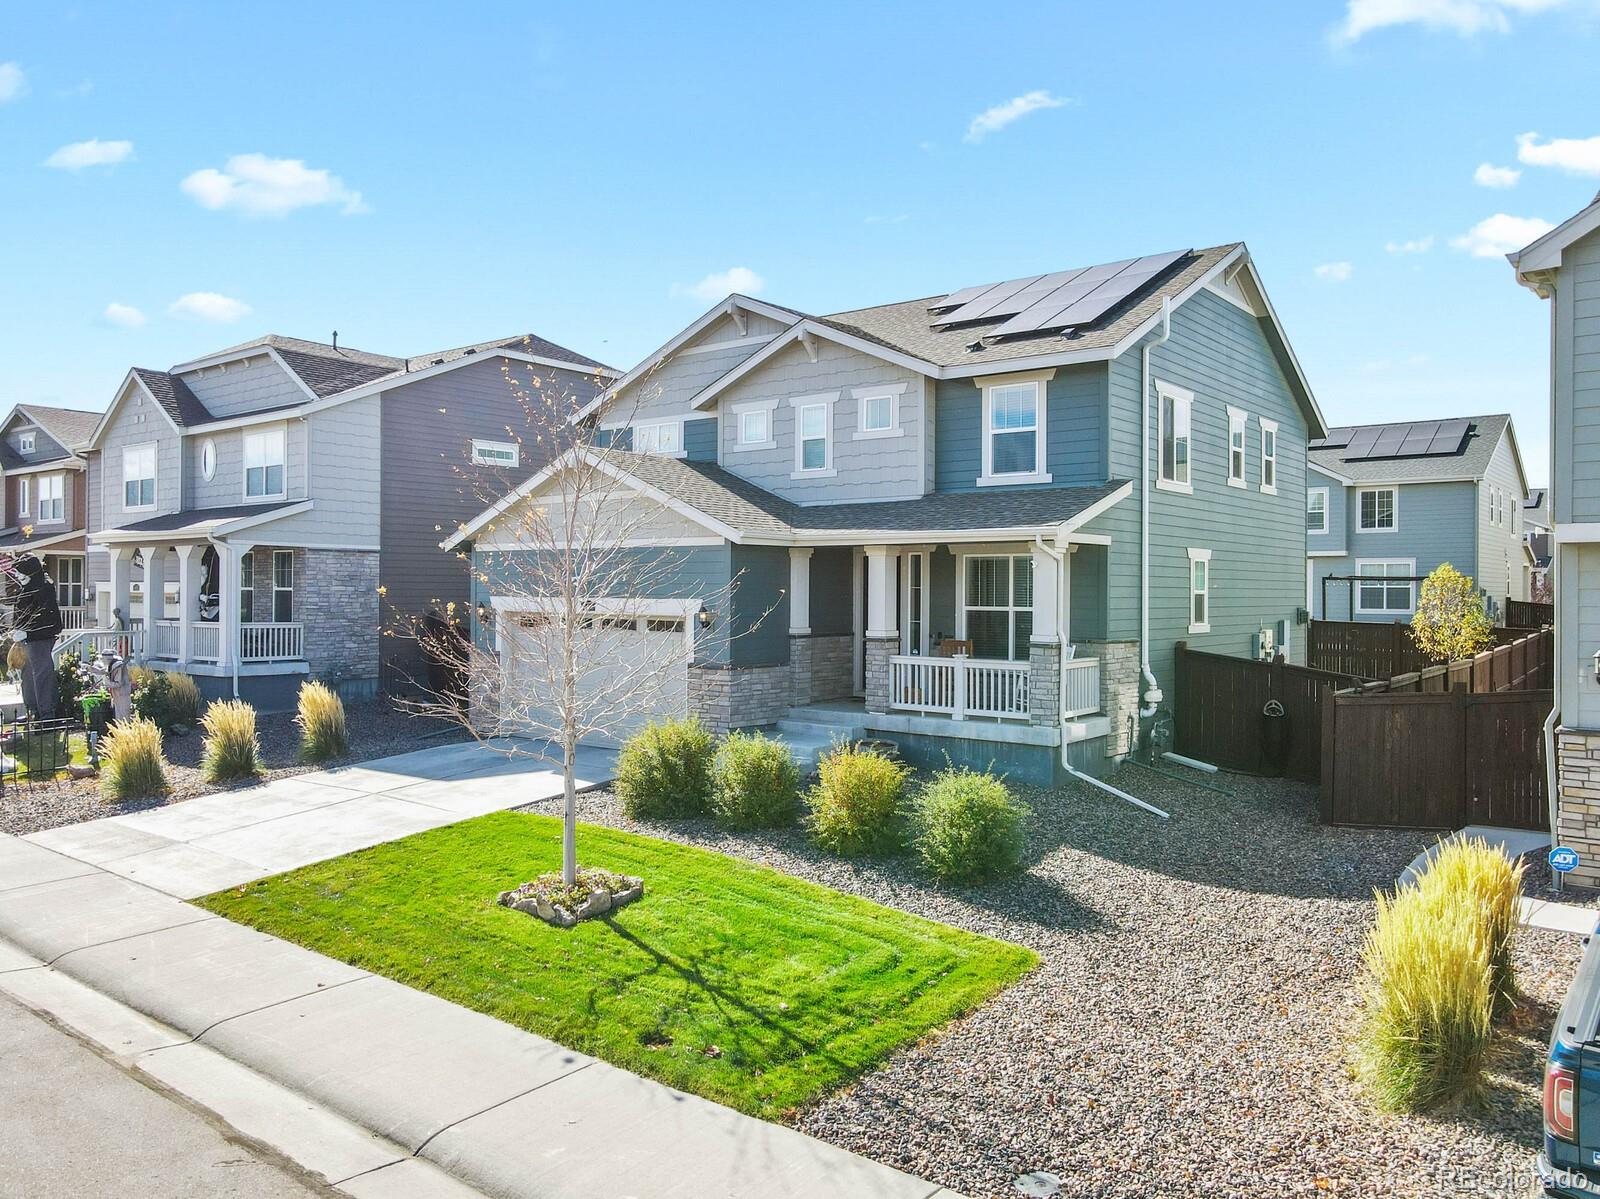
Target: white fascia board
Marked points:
808	327
268	416
261	518
46	468
121	397
43	543
239	354
1329	472
1516	457
390	382
1545	253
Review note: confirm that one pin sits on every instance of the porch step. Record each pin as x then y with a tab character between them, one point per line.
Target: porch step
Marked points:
810	732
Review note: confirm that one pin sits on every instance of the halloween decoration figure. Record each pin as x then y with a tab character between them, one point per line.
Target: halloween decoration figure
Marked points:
37	618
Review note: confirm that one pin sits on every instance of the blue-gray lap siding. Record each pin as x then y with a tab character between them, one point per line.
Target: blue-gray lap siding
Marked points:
1075	416
1257	540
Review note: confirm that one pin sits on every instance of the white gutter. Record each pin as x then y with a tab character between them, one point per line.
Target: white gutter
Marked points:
1152	695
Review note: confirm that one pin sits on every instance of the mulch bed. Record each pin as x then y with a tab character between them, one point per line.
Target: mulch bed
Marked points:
1186	1031
376	729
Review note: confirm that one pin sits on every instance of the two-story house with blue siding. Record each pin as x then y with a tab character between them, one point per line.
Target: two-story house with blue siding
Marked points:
271	511
1387	504
977	522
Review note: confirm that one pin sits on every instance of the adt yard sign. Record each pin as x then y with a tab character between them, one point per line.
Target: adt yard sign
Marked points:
1563	859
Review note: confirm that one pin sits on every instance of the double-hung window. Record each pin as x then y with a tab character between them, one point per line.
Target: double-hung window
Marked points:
661	437
1013	432
1199	591
264	452
495	453
1316	510
139	476
813	435
1236	427
1379	511
1174	407
52	503
1385	586
282	585
999	605
1269	456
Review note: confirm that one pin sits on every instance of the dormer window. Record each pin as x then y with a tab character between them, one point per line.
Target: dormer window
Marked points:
1014	429
264	454
25	442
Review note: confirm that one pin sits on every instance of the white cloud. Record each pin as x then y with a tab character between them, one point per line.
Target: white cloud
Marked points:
1500	234
262	186
1577	156
92	153
992	120
1334	272
1415	245
1489	175
715	286
209	306
13	83
125	315
1464	17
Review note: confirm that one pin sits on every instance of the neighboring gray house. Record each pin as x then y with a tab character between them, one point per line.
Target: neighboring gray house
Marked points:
1563	267
1387	504
1536	530
937	504
271	511
44	496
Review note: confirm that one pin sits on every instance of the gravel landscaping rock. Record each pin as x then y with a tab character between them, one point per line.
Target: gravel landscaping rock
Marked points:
1185	1033
375	729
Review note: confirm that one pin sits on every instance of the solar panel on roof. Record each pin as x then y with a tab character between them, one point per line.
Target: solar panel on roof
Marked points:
1336	439
1059	300
957	298
1042	314
1417	439
1361	442
1452	435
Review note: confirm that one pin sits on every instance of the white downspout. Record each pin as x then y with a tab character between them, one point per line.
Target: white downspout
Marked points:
1152	695
1551	781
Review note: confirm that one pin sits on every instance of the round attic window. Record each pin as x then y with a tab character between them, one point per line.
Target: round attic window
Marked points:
208	459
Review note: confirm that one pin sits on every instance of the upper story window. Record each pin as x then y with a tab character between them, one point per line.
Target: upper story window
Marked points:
878	410
1316	510
495	453
813	435
26	442
1236	426
139	476
264	453
1379	509
659	437
52	498
752	425
1174	407
1269	456
1013	431
208	459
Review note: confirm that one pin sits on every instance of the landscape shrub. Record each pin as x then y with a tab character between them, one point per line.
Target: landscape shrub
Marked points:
967	826
131	762
855	804
1430	1001
170	700
664	770
72	680
320	716
754	782
1475	874
231	750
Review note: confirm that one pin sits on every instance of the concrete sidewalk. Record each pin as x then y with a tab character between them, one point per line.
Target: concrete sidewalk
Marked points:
202	845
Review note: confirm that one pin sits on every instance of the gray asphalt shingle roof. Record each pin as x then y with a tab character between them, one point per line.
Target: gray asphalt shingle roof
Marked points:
197	519
68	426
174	396
1470	462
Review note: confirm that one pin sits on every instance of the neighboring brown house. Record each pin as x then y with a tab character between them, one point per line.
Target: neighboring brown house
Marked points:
44	495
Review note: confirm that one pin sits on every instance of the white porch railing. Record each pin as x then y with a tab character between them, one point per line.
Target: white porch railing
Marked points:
89	643
277	642
73	619
1081	684
205	641
959	687
164	639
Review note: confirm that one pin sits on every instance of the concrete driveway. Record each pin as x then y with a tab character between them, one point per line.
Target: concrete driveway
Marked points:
202	845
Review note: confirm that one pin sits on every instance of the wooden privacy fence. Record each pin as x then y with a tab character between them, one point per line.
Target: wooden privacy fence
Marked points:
1439	760
1219	704
1374	650
1525	614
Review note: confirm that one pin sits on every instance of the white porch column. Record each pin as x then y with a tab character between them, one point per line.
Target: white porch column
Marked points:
799	591
121	582
155	586
228	601
1047	591
882	638
188	596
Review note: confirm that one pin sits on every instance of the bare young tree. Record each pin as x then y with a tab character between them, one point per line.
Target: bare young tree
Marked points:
582	567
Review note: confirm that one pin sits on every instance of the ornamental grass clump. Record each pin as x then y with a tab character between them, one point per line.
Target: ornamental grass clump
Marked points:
855	805
664	771
1478	875
231	750
1430	1002
320	716
132	765
754	782
967	826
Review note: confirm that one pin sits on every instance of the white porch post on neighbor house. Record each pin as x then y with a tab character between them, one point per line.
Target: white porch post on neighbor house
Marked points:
121	582
188	597
229	600
155	586
882	633
1050	584
799	591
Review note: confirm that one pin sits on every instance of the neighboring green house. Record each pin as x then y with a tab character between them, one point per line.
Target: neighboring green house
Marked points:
940	504
1386	504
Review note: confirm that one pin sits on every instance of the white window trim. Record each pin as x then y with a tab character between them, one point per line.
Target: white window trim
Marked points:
61	482
1011	609
479	443
1323	492
1411	569
1395	507
25	496
737	411
1178	395
636	426
1199	555
208	449
266	497
921	616
825	401
1269	426
155	477
27	441
890	391
1238	422
1038	474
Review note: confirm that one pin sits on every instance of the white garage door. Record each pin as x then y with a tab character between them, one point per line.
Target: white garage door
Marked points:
635	670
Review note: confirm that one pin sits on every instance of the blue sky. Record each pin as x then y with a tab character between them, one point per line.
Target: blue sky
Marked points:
419	176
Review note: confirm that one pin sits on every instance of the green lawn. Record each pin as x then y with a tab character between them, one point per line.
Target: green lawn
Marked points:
735	982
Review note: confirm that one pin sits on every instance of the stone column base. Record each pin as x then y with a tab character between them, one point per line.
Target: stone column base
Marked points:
878	652
1578	803
1044	683
1119	691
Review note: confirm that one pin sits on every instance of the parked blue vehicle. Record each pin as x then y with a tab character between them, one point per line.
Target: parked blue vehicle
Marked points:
1570	1163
